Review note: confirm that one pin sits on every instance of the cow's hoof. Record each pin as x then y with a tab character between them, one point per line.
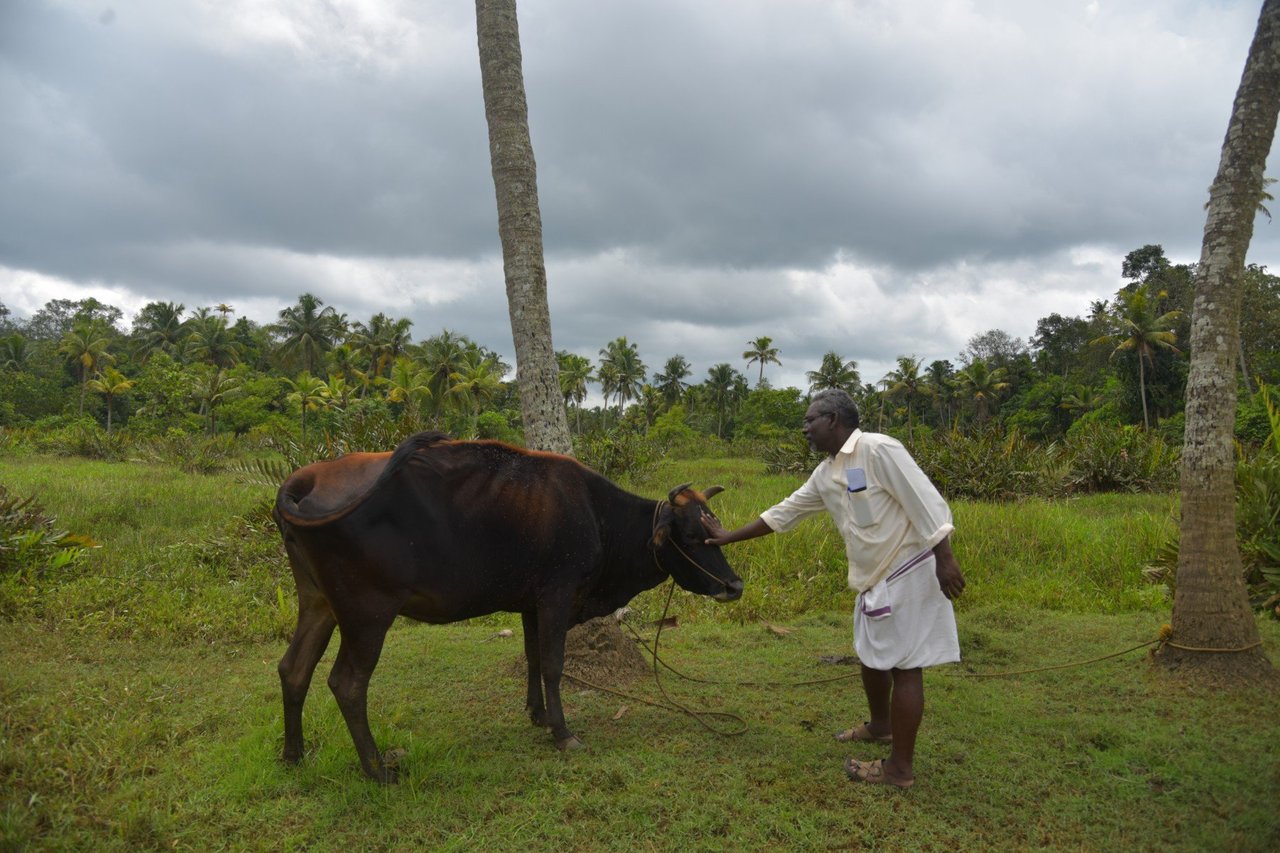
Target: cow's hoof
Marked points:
570	744
539	718
386	776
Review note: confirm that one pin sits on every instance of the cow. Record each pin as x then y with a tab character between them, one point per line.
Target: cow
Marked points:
440	530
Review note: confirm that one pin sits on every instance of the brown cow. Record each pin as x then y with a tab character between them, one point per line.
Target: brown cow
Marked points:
444	530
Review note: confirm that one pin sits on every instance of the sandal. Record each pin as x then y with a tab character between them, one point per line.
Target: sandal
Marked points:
872	772
862	734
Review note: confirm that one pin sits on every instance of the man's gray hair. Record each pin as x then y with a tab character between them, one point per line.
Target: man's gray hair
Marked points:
837	402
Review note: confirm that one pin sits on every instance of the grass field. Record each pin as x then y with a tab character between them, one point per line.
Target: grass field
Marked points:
140	708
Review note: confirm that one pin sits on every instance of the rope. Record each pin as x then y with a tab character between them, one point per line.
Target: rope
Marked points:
1056	666
1199	649
699	716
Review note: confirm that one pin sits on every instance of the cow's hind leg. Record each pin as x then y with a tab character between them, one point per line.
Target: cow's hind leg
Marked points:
357	656
533	704
310	639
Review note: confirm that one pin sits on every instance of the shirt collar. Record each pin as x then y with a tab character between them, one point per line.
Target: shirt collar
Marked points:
851	442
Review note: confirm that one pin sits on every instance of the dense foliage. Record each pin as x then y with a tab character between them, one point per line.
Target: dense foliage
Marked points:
314	371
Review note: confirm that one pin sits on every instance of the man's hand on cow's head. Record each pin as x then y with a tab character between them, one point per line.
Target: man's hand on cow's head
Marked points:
716	534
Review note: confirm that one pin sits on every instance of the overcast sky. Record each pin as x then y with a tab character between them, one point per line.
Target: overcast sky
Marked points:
877	177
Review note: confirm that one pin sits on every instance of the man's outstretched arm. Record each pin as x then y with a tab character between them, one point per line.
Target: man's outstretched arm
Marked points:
717	535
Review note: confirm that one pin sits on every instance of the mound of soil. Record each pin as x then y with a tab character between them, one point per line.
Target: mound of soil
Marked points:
599	651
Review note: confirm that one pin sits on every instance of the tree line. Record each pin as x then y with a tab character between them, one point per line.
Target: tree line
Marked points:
1124	362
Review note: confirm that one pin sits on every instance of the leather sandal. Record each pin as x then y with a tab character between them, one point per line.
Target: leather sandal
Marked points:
862	734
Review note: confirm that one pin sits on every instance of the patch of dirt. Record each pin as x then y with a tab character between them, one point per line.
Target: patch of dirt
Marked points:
599	651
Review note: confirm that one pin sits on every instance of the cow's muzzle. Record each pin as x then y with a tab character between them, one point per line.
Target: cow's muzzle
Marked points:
732	591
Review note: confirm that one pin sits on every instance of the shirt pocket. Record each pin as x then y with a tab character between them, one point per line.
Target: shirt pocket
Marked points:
860	508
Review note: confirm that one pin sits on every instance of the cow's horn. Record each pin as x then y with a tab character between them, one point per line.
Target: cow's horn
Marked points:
712	491
671	496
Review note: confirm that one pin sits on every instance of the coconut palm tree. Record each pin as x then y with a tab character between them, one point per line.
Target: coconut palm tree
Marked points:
907	384
443	355
1081	399
1211	606
474	386
621	360
607	376
307	331
110	383
382	341
671	381
409	384
309	392
515	181
211	341
15	352
835	372
942	387
158	326
212	390
761	350
723	385
85	347
575	373
343	360
1141	331
983	385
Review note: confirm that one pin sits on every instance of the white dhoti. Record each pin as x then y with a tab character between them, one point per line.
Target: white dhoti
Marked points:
905	621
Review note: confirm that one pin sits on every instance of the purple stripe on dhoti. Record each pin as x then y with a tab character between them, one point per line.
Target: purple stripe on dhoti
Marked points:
911	564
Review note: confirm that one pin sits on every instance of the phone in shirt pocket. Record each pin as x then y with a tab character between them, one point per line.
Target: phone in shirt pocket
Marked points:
859	499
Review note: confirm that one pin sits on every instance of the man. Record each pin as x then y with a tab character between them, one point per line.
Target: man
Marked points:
896	529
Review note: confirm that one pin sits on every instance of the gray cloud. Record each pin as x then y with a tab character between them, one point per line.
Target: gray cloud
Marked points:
879	179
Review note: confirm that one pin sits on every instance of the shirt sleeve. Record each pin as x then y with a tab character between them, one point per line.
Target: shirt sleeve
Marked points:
919	498
803	502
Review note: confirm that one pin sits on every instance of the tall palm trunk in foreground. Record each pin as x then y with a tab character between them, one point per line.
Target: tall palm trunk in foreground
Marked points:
515	181
1211	608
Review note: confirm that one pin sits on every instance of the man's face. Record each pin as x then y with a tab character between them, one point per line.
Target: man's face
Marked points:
822	430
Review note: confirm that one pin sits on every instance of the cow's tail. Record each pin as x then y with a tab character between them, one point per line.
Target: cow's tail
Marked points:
298	486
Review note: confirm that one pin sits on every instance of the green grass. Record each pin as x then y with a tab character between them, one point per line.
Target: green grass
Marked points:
140	707
119	745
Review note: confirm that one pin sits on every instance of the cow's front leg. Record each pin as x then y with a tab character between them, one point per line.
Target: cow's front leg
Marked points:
533	703
552	627
349	681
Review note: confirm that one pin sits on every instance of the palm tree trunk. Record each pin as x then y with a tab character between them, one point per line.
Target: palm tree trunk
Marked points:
515	182
1211	606
1142	392
1244	370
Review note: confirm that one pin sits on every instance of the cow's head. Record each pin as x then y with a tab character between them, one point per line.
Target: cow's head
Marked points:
679	540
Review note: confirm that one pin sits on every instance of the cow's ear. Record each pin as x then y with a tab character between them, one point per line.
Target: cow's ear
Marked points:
663	527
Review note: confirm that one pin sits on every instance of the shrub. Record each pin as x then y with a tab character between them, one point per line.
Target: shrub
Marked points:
616	452
194	454
989	465
31	549
1106	458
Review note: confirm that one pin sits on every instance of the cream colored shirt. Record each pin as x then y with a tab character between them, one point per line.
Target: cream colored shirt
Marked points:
899	514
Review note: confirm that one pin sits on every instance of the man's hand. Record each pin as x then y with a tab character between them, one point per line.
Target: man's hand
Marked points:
716	534
950	579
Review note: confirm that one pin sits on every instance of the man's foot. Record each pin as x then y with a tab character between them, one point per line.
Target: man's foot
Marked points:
862	734
873	773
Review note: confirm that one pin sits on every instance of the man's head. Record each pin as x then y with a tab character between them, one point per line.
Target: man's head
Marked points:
831	417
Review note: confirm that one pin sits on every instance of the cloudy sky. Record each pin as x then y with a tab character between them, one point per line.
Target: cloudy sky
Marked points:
877	177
